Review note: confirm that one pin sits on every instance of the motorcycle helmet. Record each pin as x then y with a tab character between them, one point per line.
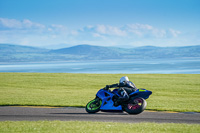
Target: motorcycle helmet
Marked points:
123	79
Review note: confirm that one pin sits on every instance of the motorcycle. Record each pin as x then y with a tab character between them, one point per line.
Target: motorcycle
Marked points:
105	101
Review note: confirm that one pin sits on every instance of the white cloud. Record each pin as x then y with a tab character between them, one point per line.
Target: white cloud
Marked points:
10	23
129	30
29	24
27	32
139	26
99	30
174	33
145	30
16	24
59	27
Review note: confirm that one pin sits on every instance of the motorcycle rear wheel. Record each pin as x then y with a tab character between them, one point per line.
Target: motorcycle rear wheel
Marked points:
136	107
93	106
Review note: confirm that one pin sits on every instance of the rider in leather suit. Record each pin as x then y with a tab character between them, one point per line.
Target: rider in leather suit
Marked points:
125	88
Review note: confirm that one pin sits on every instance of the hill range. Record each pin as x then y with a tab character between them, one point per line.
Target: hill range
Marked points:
18	53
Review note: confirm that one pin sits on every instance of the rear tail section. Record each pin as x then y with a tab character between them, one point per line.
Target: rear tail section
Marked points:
141	93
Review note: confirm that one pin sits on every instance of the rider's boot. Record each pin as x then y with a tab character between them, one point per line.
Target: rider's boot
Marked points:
119	101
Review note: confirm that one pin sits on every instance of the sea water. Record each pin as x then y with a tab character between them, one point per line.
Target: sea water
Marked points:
161	66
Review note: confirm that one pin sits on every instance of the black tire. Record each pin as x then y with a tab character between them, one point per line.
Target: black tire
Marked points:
136	107
93	106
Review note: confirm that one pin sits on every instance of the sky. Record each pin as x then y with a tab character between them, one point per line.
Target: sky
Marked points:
118	23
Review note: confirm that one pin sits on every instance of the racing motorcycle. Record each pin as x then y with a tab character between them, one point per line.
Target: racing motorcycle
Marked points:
105	101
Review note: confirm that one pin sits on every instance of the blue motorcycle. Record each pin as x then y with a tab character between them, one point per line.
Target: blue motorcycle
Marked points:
105	100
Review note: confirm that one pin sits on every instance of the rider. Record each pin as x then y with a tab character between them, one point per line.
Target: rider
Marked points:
125	88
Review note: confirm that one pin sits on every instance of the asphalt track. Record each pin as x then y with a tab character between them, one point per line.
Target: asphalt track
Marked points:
8	113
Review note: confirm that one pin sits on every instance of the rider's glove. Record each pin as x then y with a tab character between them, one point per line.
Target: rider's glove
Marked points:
106	88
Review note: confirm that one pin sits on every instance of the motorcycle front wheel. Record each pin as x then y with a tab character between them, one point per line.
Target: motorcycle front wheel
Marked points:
93	106
137	106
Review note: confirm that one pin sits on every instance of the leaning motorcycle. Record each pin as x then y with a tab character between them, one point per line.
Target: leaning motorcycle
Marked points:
105	100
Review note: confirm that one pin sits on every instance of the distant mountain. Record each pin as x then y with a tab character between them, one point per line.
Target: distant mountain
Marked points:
167	52
15	53
18	53
90	52
138	52
57	46
81	50
11	48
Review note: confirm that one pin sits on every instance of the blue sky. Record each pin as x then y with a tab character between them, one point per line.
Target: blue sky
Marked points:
120	23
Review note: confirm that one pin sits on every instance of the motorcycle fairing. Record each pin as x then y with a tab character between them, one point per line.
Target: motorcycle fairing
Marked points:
141	93
107	103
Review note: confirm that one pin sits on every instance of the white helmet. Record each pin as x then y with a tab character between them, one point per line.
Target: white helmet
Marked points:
123	79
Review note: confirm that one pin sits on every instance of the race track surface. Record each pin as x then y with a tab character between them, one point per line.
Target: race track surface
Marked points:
8	113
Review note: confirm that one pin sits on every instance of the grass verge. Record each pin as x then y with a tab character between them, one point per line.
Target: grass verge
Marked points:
171	92
95	127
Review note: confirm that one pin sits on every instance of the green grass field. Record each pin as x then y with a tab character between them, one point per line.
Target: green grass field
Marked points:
171	92
95	127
